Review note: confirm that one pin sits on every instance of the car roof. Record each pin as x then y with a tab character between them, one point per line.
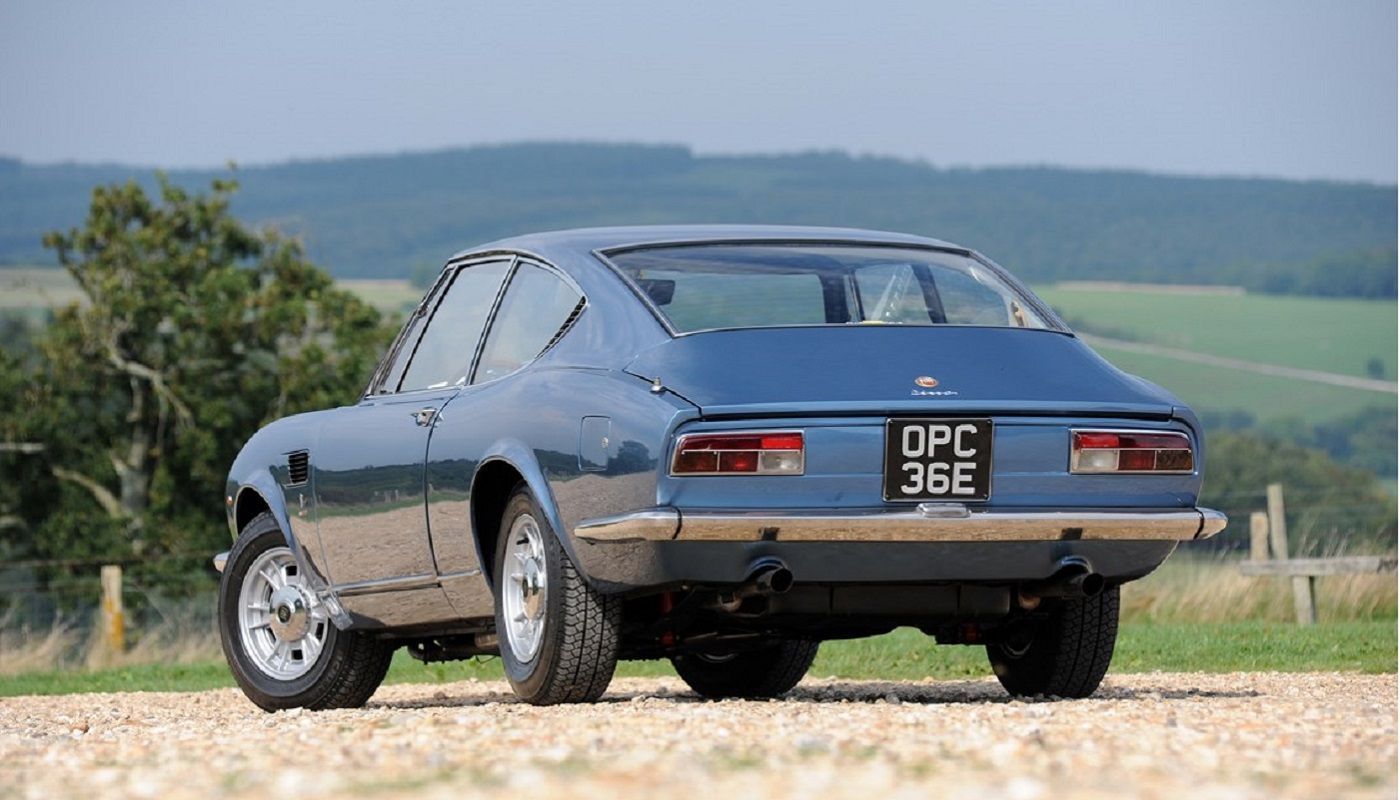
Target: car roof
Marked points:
581	241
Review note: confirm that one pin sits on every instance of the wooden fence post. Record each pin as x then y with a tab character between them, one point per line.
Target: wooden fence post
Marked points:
113	617
1258	536
1303	604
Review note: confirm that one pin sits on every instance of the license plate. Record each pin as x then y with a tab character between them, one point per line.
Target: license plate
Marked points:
938	459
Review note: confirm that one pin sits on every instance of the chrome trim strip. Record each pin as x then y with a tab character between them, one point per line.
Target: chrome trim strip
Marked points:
221	561
403	584
653	524
1212	522
916	525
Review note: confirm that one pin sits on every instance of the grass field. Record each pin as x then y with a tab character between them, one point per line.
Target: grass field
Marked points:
903	655
1209	388
1330	335
1333	335
38	288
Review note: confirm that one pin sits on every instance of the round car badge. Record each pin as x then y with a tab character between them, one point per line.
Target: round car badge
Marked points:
925	381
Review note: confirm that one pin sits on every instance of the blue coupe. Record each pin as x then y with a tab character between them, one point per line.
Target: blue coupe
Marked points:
715	445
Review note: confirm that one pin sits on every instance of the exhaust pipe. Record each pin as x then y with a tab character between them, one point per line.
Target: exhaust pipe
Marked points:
1075	579
767	577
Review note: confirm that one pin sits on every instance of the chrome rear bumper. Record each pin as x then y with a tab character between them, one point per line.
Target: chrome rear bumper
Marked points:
928	522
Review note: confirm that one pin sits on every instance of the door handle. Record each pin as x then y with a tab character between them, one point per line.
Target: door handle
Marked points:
424	416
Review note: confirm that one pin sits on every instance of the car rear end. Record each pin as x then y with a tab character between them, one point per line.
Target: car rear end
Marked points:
914	439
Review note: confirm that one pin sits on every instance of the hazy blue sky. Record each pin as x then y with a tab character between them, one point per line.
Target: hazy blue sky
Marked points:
1296	89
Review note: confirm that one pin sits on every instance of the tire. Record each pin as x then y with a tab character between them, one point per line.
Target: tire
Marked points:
770	672
575	646
1067	654
344	672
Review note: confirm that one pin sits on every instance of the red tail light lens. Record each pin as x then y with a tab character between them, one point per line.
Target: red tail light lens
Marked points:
1130	451
749	453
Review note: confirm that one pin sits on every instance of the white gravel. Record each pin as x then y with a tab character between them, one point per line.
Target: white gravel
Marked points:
1154	735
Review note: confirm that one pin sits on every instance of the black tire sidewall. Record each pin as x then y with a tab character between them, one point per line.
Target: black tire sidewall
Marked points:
259	536
529	678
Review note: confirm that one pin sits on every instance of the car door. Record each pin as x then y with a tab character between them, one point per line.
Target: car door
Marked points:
369	458
535	307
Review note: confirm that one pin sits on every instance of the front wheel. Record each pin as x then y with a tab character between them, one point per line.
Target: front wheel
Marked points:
1065	654
558	636
754	674
277	636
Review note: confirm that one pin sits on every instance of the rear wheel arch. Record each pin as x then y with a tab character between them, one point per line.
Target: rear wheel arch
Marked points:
490	492
495	480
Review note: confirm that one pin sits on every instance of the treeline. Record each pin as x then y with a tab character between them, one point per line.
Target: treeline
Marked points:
385	216
125	411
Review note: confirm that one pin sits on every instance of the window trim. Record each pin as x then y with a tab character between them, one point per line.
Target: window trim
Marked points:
434	300
496	308
604	254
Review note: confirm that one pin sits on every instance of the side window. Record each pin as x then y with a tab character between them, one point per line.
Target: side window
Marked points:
402	350
536	305
444	353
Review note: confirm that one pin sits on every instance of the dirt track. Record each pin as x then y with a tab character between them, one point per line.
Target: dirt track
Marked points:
1162	735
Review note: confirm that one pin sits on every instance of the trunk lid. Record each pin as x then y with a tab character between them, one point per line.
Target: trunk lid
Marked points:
864	369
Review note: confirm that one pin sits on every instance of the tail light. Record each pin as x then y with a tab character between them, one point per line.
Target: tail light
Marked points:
749	453
1130	451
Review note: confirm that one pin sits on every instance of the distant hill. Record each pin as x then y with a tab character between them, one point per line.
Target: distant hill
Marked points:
385	216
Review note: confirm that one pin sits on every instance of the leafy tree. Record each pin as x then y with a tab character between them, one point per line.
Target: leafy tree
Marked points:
1331	507
194	330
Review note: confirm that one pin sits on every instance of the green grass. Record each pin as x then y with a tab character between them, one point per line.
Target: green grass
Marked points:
36	289
1368	646
1329	334
1332	335
1207	388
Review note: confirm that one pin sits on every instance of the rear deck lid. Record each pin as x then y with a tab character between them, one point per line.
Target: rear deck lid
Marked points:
846	369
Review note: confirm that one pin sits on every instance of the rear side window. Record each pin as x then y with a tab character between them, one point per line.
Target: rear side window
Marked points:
536	306
701	287
444	353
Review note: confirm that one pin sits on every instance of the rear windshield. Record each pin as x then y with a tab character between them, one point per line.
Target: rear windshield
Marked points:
702	287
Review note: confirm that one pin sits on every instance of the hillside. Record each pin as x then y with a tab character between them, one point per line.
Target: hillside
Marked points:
384	216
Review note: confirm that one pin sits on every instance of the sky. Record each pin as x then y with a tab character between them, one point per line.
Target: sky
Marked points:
1279	88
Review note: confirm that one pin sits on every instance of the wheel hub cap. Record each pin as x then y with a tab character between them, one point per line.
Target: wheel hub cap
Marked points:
525	590
291	617
282	626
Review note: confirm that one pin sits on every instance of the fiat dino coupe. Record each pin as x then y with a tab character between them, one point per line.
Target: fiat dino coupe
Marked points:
716	445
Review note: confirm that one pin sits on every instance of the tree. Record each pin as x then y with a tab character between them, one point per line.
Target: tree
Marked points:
1331	507
194	330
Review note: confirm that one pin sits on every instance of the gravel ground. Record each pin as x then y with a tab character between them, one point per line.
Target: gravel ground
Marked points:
1154	735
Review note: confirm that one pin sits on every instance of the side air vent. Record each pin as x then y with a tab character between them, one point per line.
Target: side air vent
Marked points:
298	467
568	323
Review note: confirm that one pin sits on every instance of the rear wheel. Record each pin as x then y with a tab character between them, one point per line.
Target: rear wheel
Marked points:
1065	654
770	672
277	635
558	637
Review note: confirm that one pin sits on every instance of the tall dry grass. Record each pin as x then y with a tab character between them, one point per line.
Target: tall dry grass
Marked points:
174	633
1185	589
1206	589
